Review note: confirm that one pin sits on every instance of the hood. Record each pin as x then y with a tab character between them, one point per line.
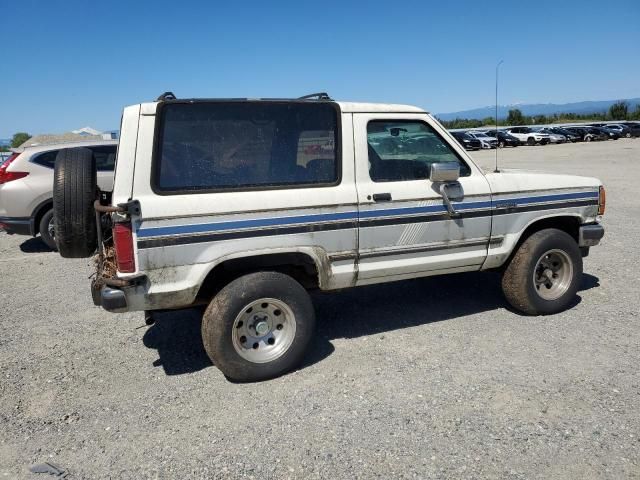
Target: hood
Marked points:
522	181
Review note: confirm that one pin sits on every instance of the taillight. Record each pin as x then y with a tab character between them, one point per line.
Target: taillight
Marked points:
10	176
602	200
123	243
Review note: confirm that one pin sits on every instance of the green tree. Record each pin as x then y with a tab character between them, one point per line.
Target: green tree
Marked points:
635	115
19	138
515	117
540	119
619	110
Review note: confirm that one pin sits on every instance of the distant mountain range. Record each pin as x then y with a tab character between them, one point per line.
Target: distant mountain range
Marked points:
538	109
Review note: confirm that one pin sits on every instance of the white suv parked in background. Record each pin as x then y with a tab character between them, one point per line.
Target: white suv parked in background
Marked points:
528	136
26	186
244	206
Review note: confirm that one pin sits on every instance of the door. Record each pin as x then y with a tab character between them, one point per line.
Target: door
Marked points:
405	228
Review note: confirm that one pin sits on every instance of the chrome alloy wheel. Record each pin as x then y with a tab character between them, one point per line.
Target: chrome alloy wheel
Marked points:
553	274
51	228
264	330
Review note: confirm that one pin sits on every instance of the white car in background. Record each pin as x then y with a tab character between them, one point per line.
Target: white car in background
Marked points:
553	137
486	141
26	185
528	136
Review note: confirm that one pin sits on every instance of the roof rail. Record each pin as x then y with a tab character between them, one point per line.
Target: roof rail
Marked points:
166	96
317	96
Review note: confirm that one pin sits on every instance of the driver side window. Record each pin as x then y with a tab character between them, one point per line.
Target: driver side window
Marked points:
404	150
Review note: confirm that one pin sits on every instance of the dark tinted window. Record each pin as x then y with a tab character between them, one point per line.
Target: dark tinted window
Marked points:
46	159
405	150
230	145
105	158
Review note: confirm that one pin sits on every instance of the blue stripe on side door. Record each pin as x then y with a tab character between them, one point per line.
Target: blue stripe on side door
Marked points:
351	215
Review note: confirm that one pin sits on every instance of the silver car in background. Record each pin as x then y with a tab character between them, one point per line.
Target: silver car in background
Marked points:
26	186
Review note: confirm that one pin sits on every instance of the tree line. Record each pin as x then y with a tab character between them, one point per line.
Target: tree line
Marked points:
617	111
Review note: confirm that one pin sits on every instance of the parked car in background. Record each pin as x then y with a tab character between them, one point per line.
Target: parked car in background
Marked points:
4	156
621	130
553	137
570	136
467	141
528	136
486	141
587	133
26	186
504	139
611	134
634	128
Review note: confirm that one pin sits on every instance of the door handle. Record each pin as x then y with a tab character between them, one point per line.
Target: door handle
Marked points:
381	197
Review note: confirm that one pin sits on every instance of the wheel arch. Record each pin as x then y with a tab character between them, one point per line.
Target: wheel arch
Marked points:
38	212
566	222
310	266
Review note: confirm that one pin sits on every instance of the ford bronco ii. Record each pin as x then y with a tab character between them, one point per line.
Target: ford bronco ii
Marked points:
245	205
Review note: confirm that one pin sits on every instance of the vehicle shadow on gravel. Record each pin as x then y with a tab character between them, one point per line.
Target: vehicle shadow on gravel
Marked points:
34	245
348	314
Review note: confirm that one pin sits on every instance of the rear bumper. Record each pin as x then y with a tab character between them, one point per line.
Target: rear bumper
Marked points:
17	225
590	235
113	299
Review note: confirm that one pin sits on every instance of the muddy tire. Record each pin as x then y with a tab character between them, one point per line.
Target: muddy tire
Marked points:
74	191
543	276
47	230
258	326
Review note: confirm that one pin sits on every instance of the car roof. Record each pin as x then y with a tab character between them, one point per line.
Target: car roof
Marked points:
345	107
60	145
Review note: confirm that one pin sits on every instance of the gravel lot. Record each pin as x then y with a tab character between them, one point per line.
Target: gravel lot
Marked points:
431	378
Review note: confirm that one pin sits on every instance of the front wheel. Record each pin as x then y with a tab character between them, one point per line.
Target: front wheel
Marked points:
258	326
543	276
531	141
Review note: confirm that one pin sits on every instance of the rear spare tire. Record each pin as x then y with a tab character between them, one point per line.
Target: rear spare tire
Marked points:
74	191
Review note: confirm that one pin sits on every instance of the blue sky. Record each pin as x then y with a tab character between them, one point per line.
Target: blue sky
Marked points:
69	64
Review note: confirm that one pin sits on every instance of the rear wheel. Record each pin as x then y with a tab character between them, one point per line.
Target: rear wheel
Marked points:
74	191
501	144
543	276
258	326
47	230
587	138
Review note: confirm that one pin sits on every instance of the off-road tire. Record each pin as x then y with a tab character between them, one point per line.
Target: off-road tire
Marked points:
43	227
222	313
518	282
74	191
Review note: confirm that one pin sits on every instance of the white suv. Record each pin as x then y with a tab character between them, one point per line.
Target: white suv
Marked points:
528	136
26	186
245	205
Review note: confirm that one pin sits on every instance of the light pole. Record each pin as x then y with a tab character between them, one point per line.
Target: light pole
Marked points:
497	67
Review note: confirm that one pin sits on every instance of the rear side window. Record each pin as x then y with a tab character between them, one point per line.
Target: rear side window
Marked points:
105	158
209	146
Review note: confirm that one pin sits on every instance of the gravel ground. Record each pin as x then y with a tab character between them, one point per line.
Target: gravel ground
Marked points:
430	378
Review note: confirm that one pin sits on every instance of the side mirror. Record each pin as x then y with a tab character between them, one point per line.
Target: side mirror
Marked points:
444	172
